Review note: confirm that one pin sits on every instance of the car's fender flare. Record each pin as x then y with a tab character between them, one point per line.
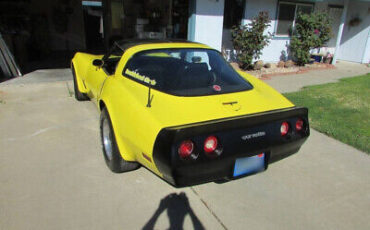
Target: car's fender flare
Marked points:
80	85
124	150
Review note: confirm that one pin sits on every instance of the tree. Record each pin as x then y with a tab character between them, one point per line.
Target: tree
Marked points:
249	40
311	31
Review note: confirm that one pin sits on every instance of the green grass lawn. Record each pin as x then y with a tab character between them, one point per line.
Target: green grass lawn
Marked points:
340	110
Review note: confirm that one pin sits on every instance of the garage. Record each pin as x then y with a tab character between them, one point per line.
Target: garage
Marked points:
46	34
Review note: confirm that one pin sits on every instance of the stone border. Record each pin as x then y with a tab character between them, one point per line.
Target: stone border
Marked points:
286	71
300	71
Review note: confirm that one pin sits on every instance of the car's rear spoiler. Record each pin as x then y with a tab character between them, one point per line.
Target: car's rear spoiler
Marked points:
235	122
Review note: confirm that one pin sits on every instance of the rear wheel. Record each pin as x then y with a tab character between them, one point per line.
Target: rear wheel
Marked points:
78	95
112	156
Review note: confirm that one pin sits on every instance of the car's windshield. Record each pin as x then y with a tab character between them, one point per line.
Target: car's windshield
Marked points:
185	72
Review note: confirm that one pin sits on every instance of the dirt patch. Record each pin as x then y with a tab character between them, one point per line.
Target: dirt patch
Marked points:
69	89
2	101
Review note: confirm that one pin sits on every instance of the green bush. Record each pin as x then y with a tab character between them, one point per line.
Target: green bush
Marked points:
249	40
311	31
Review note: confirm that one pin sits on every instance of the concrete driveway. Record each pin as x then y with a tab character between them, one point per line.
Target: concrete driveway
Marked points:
53	176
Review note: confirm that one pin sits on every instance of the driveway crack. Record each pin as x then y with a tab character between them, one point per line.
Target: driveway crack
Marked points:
209	209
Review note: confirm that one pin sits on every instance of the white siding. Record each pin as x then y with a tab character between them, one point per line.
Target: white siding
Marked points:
353	45
278	45
366	58
209	22
209	28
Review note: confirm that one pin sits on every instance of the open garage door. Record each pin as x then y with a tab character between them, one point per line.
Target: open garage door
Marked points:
157	19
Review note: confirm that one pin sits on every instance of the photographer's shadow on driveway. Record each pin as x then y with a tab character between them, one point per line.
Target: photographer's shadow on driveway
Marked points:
177	206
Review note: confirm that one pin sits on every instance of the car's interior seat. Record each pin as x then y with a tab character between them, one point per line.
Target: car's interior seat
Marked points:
194	75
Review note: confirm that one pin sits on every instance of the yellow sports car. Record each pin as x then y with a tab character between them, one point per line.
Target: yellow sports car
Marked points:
179	109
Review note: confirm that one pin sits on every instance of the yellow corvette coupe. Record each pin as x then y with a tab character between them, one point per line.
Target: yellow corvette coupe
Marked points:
179	109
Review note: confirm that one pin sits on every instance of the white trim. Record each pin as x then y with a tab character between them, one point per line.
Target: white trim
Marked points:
340	31
367	48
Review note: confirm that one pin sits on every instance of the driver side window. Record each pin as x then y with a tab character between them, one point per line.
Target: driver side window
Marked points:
111	59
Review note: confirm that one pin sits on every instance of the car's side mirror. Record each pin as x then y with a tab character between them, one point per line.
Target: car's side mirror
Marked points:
98	63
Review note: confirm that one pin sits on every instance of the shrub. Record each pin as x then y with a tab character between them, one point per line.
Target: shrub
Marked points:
249	40
311	31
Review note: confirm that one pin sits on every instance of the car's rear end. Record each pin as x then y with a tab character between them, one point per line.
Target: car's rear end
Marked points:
229	148
204	120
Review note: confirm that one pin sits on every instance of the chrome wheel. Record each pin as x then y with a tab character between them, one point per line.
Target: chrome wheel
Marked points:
107	141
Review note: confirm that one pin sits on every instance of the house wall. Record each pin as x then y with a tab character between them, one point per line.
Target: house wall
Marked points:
354	44
278	45
366	58
278	48
207	25
207	22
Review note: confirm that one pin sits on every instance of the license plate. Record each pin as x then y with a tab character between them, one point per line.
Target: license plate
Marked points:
249	165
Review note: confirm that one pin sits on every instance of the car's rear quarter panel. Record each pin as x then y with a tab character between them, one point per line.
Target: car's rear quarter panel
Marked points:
133	125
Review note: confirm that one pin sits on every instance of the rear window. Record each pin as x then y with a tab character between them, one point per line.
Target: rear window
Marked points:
185	72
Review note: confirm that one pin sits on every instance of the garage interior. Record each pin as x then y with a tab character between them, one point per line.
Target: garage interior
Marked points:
46	34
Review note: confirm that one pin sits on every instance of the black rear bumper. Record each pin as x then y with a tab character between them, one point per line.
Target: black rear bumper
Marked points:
229	131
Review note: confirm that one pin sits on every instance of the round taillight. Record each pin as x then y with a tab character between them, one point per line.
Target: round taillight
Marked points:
299	125
210	144
186	149
284	128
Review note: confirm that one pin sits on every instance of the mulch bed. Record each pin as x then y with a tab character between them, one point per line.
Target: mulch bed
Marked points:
266	73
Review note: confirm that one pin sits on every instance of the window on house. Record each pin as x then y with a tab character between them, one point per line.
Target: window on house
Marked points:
233	13
287	14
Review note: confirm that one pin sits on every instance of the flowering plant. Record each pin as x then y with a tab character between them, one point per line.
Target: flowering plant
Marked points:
249	40
311	31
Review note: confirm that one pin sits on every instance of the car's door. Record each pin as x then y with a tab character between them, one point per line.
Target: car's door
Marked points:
94	81
96	78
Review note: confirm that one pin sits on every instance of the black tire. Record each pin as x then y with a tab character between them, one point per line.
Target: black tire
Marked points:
114	160
78	95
